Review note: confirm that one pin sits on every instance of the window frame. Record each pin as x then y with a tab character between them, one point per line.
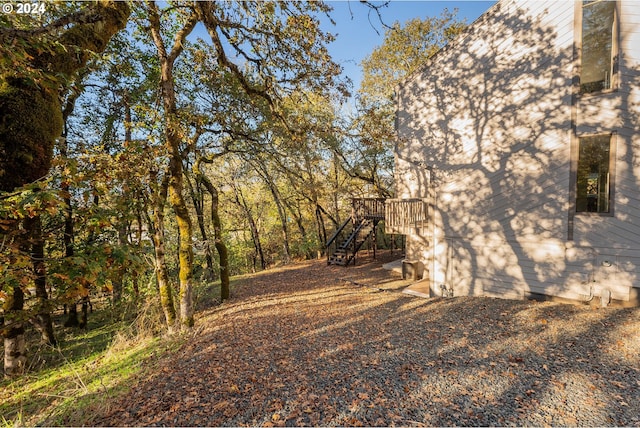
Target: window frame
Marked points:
612	173
615	50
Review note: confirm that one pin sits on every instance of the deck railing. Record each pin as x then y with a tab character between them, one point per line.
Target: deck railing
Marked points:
372	208
402	215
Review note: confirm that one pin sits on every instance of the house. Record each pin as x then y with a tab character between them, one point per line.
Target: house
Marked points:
518	155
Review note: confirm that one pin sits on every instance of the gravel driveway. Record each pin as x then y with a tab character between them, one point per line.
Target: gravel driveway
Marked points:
306	345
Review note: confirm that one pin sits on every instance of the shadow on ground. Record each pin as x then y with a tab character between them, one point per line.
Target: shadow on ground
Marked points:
303	346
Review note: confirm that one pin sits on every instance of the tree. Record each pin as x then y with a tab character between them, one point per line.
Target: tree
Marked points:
221	248
114	136
282	49
262	169
36	60
173	135
159	188
368	151
29	103
405	48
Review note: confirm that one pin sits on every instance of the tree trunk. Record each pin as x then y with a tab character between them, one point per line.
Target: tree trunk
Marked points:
262	170
68	236
255	235
283	221
72	317
135	277
68	222
185	249
42	320
162	276
225	289
197	197
221	248
31	112
118	281
121	226
172	142
208	255
15	345
322	231
297	215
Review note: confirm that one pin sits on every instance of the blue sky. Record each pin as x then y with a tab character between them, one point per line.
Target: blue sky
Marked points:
356	28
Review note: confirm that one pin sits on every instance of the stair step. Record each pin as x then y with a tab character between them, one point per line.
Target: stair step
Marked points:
361	232
340	262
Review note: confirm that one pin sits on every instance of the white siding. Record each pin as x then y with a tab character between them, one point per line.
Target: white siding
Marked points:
485	131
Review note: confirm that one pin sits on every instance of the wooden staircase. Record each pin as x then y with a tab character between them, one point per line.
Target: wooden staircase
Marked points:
343	246
346	251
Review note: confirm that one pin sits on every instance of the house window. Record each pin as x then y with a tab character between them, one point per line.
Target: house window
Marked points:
598	46
594	173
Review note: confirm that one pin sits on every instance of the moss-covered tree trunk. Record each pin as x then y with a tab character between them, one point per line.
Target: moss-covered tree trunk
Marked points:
173	141
31	113
162	276
221	248
208	253
31	120
185	249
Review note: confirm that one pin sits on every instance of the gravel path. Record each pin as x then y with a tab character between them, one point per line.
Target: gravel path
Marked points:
307	346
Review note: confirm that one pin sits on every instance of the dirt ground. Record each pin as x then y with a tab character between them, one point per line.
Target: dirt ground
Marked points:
309	344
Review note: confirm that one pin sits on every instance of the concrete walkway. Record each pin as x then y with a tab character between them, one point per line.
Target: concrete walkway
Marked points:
419	288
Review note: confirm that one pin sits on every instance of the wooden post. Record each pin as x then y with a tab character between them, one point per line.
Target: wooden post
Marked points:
375	239
353	243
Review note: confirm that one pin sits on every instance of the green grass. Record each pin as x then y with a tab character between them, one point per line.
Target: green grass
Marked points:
73	383
86	370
